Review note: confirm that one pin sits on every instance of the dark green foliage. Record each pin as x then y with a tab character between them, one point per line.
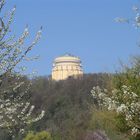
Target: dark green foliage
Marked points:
69	108
121	124
68	104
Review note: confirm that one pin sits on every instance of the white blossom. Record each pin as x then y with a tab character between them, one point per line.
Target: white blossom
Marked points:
124	102
15	111
135	131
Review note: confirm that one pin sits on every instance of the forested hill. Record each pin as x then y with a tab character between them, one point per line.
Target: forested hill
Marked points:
68	104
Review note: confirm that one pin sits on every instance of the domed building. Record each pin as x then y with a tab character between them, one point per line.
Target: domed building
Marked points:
66	66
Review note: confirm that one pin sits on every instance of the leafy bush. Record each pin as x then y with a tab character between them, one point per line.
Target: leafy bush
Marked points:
105	121
38	136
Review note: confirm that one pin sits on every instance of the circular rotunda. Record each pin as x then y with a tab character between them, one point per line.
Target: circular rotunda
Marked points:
66	66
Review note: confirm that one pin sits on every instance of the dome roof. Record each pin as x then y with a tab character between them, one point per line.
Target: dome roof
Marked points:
67	58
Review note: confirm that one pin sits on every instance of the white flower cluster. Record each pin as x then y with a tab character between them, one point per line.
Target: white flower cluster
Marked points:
124	102
15	110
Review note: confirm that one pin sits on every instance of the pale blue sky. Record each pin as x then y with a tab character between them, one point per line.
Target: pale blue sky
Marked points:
84	28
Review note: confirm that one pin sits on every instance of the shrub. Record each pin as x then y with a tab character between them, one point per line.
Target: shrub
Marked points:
38	136
105	121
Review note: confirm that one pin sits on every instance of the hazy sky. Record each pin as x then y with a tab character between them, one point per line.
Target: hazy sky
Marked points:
84	28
